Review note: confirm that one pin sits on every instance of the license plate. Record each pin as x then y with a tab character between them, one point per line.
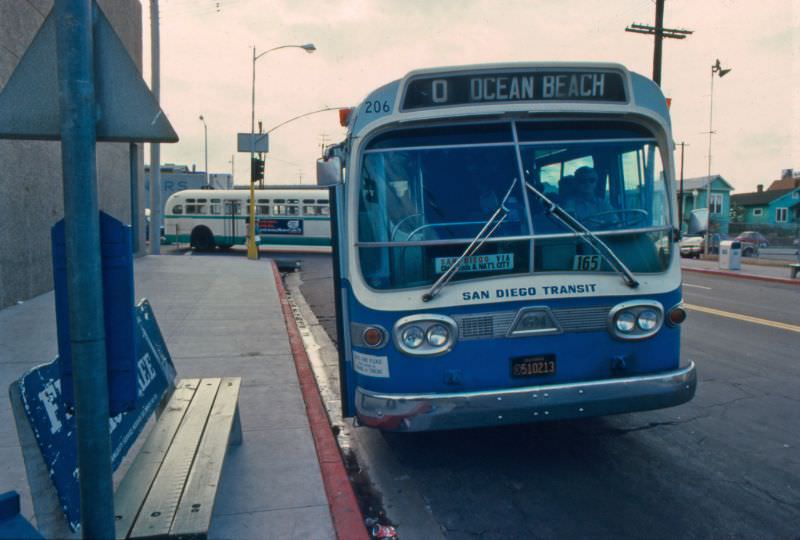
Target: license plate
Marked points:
533	366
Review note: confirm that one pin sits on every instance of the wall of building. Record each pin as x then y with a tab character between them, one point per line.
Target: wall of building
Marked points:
31	195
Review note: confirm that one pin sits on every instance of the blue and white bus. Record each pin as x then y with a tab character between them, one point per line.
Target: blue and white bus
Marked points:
506	248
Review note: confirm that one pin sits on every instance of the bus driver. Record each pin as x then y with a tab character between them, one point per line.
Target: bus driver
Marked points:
583	201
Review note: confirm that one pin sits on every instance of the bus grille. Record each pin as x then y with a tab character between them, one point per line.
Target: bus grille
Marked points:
498	324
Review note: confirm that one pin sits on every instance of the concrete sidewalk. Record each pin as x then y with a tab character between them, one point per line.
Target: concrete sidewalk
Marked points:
777	273
220	316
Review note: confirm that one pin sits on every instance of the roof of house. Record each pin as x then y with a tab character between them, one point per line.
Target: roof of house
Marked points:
701	181
784	183
758	198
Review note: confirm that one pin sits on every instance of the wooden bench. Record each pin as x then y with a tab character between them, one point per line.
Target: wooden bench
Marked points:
170	487
794	268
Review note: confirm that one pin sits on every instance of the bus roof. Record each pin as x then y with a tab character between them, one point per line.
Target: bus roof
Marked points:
307	191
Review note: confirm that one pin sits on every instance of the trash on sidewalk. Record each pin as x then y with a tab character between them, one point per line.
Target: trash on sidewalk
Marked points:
383	531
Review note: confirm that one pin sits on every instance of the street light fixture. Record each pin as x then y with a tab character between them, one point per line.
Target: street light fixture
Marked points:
205	145
717	69
252	249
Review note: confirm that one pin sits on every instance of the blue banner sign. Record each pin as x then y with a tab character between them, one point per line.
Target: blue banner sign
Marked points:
280	226
53	424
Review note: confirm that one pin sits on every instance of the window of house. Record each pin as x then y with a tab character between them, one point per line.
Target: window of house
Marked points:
715	203
781	215
757	212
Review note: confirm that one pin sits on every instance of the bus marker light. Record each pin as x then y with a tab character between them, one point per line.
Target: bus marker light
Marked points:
373	336
677	315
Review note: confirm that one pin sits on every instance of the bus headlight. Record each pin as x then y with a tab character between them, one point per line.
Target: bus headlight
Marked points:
625	322
412	337
637	319
425	335
437	335
647	319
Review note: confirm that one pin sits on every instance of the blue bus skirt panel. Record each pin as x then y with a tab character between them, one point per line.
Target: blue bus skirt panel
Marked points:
472	385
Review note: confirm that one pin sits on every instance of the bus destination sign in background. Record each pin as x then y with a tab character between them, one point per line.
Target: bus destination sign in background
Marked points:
513	86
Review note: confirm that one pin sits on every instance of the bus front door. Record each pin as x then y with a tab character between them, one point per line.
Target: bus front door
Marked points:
230	221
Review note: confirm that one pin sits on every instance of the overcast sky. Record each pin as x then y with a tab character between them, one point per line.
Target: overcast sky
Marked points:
206	62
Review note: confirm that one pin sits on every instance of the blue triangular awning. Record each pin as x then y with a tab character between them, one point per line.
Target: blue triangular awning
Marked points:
127	111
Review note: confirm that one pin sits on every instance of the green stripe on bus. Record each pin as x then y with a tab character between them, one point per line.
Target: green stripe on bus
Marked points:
243	218
265	240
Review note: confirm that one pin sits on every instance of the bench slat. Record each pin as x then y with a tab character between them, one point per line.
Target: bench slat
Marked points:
134	486
193	516
158	510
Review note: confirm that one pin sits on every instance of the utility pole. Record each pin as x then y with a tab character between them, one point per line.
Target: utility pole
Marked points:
155	148
680	203
659	32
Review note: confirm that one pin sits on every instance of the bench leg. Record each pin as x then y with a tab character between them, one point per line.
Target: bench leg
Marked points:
236	429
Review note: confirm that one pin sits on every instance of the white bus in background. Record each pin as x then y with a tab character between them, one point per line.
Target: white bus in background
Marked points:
287	218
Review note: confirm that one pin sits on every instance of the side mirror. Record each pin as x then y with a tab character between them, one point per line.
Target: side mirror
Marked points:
329	171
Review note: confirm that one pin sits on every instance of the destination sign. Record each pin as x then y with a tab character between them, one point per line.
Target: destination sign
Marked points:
513	86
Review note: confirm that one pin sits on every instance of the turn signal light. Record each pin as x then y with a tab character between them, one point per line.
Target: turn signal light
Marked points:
373	336
676	315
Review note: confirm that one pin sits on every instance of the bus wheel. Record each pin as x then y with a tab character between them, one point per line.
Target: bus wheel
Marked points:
202	239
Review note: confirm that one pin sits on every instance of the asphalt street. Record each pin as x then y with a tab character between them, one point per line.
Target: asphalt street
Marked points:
727	464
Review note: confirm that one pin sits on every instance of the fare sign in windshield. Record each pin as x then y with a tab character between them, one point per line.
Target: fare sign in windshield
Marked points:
427	91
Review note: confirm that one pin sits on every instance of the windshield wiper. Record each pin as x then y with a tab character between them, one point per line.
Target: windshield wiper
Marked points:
491	225
592	239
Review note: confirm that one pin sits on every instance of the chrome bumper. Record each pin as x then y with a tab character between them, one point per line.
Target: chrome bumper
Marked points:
422	412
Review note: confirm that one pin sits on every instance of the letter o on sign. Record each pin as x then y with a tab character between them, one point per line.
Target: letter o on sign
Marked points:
439	91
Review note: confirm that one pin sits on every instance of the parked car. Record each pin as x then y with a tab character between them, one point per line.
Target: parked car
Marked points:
751	242
692	246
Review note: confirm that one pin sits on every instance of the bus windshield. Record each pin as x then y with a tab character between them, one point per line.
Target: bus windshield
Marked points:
425	193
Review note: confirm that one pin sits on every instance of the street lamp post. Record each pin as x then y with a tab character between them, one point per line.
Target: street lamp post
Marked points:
716	68
205	145
252	249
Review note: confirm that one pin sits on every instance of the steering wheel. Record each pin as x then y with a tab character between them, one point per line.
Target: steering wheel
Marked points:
396	228
623	216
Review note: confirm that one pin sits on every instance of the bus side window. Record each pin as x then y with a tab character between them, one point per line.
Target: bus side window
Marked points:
191	208
293	210
309	210
177	209
324	211
201	209
215	209
263	209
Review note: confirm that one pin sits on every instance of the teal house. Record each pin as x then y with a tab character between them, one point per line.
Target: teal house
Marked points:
774	207
694	195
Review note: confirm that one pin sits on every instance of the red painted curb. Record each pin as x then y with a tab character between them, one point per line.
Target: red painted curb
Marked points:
754	277
347	518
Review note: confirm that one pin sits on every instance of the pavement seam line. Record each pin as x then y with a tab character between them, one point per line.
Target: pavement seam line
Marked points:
348	521
746	318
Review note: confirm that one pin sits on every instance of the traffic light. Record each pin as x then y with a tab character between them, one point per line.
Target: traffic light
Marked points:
257	169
